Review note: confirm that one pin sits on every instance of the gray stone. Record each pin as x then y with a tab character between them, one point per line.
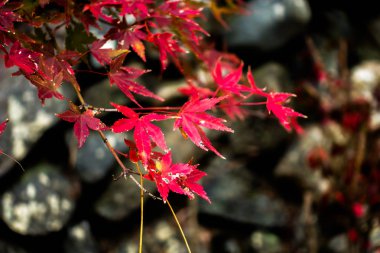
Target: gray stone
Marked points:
269	24
295	161
230	185
80	239
27	118
94	159
161	237
8	248
120	199
339	244
264	242
41	202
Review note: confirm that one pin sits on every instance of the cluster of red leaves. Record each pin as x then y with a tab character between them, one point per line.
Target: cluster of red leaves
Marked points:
170	27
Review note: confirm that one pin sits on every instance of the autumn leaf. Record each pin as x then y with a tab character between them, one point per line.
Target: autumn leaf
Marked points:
23	58
229	82
8	15
3	125
82	123
130	36
144	130
47	80
123	78
96	8
167	46
105	55
181	178
275	104
192	117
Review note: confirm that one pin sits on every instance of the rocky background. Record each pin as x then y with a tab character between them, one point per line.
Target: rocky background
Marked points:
276	192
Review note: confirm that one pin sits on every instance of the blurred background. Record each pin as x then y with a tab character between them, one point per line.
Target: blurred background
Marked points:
318	191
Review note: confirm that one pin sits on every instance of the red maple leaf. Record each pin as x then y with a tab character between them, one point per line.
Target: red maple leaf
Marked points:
275	104
23	58
229	82
181	178
144	130
129	36
8	16
192	117
96	8
137	8
105	55
47	80
180	16
167	46
3	125
82	123
122	77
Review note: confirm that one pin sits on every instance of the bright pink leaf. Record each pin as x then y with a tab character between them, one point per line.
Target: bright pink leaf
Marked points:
229	82
123	79
144	130
192	117
167	46
180	178
275	104
3	125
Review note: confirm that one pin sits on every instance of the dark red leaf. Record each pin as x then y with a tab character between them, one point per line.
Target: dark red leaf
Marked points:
82	123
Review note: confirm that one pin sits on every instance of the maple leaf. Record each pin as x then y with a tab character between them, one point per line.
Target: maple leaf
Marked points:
122	77
47	80
192	117
82	123
96	8
180	178
180	16
275	104
3	125
144	130
167	46
137	8
8	16
105	55
23	58
130	36
229	82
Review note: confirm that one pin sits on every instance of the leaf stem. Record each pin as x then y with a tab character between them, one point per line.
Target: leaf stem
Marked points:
179	226
141	207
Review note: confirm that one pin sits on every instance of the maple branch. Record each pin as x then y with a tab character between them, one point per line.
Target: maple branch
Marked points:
113	152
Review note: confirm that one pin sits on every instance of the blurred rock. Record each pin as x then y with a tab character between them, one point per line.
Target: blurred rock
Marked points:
264	242
339	244
7	248
80	239
298	160
27	118
230	185
101	160
269	24
365	78
120	199
161	237
41	202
